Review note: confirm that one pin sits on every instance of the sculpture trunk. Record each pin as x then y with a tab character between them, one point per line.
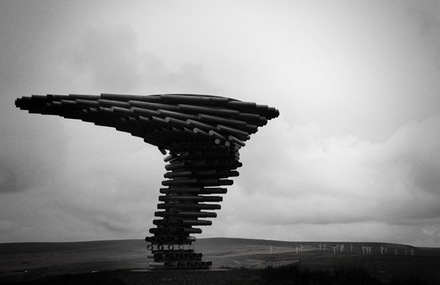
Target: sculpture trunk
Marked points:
193	178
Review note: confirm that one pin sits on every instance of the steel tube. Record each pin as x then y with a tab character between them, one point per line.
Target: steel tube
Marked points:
144	112
175	121
203	99
198	214
176	115
209	110
85	97
222	120
178	206
192	230
197	222
111	103
123	97
233	131
190	198
200	125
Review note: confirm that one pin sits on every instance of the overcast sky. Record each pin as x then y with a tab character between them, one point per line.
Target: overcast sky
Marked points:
354	155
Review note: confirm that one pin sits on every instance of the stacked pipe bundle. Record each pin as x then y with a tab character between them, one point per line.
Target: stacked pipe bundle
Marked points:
201	136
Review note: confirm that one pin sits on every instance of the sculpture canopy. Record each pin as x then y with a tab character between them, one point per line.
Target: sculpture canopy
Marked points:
169	121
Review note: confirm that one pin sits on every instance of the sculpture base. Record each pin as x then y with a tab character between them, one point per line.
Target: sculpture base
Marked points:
178	259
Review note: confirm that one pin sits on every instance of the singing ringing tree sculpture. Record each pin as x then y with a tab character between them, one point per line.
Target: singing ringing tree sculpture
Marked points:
201	136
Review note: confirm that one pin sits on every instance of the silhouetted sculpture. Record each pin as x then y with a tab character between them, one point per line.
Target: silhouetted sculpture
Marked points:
202	134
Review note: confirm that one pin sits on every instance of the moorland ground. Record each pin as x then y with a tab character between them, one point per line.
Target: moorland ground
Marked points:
233	259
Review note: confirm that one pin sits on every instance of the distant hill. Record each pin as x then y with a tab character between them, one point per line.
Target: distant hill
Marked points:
93	256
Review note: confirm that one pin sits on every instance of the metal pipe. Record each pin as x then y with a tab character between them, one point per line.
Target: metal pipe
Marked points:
120	110
253	119
236	141
177	165
179	182
198	206
216	135
68	102
88	103
213	190
190	198
143	112
197	222
178	156
192	230
198	214
215	182
198	99
233	131
82	96
159	121
123	97
200	125
247	106
168	158
177	115
205	172
200	131
209	110
180	189
178	174
193	190
175	121
222	120
111	103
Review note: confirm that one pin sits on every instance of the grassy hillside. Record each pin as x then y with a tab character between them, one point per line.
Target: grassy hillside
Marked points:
37	259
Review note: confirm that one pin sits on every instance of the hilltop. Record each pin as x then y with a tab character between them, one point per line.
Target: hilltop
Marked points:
24	261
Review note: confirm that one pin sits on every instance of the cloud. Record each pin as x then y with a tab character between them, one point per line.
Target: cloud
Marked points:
343	160
95	185
321	180
30	153
111	182
296	184
427	21
110	57
91	178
